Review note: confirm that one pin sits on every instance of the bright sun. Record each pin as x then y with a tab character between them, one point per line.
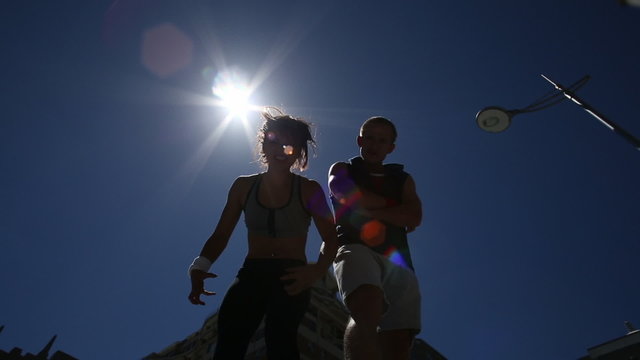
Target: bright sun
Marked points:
235	98
232	94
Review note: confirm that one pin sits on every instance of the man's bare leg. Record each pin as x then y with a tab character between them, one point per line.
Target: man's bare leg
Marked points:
366	305
396	344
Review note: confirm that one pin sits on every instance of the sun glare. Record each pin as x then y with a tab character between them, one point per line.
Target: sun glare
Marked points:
235	98
232	93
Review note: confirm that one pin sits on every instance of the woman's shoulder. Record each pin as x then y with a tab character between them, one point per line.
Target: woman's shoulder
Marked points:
244	181
248	178
305	180
308	184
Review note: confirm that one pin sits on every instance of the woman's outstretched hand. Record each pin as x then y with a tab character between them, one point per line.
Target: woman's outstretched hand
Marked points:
197	286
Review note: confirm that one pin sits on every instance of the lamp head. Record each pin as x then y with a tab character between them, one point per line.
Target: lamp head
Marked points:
494	119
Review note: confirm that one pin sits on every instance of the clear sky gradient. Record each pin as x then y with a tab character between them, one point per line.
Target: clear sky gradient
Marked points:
115	165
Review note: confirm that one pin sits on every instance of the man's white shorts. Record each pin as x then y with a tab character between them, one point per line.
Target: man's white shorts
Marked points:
357	265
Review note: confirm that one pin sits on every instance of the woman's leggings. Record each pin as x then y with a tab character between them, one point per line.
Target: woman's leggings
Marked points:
259	293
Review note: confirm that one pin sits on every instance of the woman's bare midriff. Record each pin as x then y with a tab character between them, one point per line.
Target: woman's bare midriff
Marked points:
261	247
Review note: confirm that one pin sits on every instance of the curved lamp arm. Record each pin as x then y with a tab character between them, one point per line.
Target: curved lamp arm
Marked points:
588	108
495	119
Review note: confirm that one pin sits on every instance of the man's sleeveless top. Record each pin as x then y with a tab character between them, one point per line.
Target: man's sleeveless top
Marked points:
291	220
352	226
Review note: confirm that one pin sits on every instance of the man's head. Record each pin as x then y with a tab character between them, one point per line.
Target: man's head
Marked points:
379	120
377	139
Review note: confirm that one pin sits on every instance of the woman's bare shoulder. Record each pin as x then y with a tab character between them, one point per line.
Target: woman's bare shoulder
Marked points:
247	178
309	185
243	183
305	181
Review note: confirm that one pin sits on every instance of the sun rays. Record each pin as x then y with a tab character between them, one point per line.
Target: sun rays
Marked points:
169	50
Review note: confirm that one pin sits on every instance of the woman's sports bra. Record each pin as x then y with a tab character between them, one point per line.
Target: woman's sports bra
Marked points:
291	220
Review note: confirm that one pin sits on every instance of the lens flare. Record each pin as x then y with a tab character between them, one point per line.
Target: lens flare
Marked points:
395	257
166	50
373	233
287	149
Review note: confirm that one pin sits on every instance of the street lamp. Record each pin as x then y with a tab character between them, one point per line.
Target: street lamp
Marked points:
629	2
496	119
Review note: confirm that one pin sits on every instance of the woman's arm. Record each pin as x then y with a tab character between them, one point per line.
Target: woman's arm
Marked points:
217	242
316	203
323	220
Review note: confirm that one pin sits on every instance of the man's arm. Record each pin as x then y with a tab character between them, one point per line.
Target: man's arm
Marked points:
342	187
408	214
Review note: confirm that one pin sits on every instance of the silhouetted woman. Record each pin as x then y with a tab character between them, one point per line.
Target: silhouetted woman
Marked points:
274	280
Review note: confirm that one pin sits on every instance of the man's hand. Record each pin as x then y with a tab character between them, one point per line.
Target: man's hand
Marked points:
197	286
301	278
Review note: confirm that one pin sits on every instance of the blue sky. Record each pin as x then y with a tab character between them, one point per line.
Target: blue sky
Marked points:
115	165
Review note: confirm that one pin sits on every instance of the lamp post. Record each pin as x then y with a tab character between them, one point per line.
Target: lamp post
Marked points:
629	2
496	119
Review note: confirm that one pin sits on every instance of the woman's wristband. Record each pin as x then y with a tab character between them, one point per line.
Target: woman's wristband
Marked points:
200	263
